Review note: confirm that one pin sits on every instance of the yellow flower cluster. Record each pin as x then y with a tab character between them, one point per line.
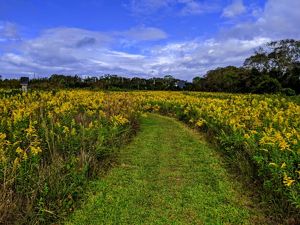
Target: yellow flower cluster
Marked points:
288	181
3	144
269	125
119	120
39	125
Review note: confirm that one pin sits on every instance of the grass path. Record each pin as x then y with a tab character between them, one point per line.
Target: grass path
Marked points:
167	175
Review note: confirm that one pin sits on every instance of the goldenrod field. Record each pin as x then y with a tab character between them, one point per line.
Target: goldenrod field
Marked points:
266	129
51	143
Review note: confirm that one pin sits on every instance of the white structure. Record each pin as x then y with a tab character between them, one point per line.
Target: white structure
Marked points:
24	83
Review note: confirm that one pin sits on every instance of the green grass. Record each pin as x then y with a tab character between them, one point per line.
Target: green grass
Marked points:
167	175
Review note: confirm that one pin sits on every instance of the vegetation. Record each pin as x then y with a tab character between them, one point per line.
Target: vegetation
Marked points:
260	134
272	69
52	142
165	177
107	82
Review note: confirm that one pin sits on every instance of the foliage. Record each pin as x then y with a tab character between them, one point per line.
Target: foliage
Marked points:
264	130
276	55
280	60
277	64
51	143
288	92
107	82
268	85
168	177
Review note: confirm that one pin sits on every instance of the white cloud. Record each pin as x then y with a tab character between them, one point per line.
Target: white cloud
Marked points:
277	20
174	7
188	59
143	33
8	31
75	51
280	17
191	7
147	7
194	7
234	9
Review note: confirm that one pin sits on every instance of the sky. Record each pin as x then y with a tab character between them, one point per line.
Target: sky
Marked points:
143	38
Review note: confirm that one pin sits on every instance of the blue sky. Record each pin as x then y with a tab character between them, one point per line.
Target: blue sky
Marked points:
184	38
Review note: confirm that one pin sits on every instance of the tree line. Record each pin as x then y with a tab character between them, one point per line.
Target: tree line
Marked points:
106	82
273	68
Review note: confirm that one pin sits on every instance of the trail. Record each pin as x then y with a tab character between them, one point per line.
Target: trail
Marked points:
167	175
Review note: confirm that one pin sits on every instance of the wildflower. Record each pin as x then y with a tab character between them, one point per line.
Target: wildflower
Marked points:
200	123
16	164
119	119
73	131
22	153
2	136
19	150
287	181
35	150
283	145
294	142
65	130
247	136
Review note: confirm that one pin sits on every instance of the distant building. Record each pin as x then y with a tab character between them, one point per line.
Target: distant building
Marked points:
180	84
24	81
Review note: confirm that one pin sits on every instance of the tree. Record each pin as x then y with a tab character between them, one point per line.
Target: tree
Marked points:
169	82
279	60
226	79
276	55
258	61
268	85
198	83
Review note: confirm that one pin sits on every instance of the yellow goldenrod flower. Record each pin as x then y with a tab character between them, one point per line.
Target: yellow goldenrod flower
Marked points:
287	181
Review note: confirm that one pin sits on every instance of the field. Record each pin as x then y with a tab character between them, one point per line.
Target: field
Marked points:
53	143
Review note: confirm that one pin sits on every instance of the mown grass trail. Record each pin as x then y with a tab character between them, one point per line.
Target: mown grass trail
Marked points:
167	175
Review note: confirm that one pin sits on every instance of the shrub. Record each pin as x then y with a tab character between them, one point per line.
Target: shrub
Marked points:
288	92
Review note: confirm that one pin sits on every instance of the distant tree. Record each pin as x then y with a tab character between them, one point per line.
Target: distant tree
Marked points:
169	82
258	61
226	79
10	83
276	55
169	77
198	83
268	85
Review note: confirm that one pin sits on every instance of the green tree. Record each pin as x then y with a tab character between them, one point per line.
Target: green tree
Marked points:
268	85
226	79
280	60
276	55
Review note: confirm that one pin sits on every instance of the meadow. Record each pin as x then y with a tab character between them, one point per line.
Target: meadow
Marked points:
53	142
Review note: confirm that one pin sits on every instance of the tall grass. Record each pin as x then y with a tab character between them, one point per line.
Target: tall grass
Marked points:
51	144
260	134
